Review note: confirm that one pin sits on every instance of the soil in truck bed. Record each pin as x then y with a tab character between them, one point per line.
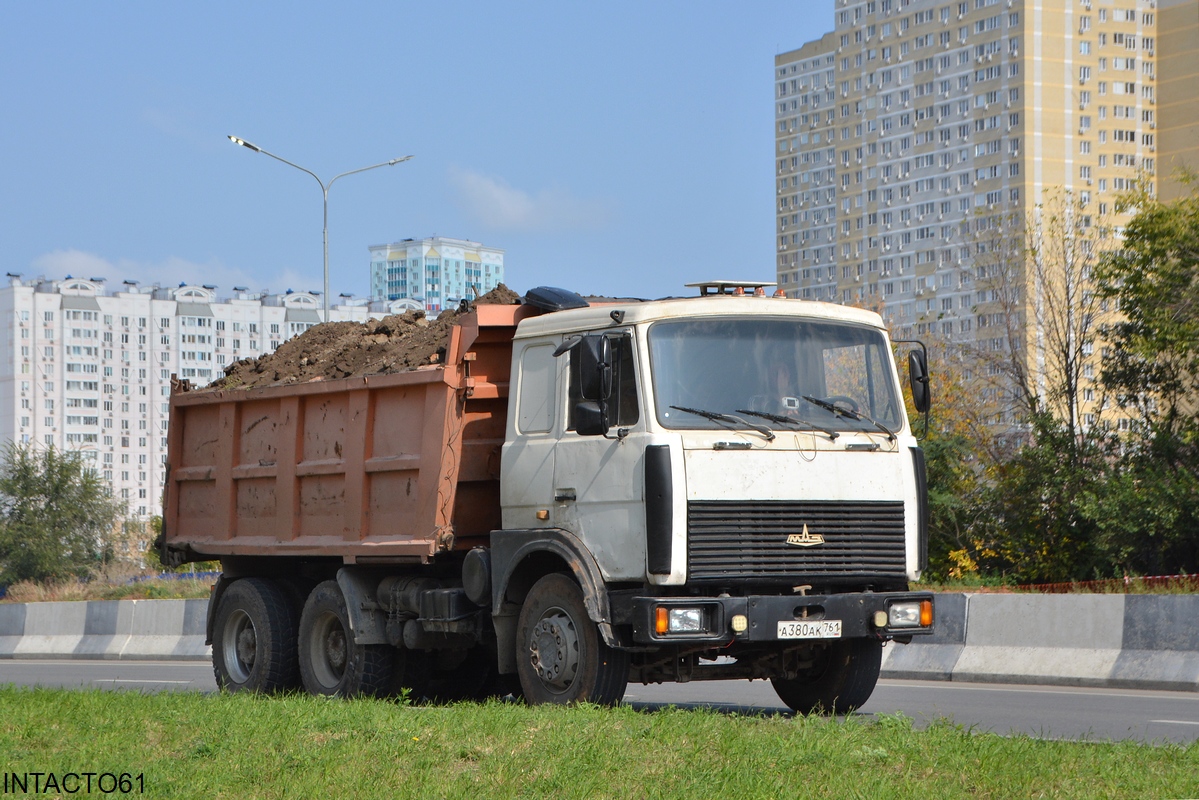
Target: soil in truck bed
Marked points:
350	349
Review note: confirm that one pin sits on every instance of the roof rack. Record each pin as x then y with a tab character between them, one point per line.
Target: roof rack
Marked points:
731	287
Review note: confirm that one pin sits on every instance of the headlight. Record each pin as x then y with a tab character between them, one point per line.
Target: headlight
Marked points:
687	620
910	614
680	620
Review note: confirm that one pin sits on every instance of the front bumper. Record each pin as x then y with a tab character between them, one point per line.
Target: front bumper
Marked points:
761	614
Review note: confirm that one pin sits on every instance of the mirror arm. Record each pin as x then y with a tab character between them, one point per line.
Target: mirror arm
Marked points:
567	346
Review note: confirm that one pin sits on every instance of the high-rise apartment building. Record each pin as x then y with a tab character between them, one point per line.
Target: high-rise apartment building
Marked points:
90	370
915	121
1178	75
437	272
911	115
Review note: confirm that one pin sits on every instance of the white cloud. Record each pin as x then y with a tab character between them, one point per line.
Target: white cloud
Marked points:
179	126
499	206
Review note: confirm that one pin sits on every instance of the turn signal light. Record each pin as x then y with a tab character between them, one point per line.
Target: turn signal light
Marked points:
661	620
926	613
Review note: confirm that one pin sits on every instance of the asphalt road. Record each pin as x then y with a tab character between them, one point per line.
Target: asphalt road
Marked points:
1043	711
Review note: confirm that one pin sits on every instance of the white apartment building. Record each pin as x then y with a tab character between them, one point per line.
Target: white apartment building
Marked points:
89	369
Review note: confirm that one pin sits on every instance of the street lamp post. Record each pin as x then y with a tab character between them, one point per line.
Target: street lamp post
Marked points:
324	192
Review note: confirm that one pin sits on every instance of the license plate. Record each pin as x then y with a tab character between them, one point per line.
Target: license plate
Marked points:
810	629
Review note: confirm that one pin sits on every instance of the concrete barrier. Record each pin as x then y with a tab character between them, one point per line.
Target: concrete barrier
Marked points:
1135	641
1161	643
104	629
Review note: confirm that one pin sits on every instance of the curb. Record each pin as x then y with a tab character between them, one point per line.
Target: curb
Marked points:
1129	641
105	629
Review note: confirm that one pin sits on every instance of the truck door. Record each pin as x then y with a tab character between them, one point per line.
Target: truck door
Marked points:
526	487
599	485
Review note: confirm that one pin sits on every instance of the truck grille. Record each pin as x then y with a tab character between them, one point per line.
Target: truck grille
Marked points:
734	539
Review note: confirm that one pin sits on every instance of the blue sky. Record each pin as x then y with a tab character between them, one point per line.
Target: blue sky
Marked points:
620	148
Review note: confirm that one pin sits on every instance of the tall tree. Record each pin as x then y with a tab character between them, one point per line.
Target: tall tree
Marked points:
997	359
55	515
1038	314
1151	521
1154	280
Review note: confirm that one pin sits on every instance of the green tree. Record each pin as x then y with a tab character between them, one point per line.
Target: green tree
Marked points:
1147	515
56	515
1154	280
1038	523
1150	514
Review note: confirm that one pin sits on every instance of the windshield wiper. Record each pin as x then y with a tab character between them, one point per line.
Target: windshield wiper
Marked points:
841	411
779	418
716	416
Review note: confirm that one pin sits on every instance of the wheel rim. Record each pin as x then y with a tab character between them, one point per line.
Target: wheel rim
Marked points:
328	651
554	651
240	646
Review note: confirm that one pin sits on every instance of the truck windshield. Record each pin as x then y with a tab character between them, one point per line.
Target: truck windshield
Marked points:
819	374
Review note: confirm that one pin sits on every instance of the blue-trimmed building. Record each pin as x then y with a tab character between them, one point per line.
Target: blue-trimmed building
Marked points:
436	272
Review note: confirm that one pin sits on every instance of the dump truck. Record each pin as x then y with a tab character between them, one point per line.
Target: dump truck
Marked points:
576	495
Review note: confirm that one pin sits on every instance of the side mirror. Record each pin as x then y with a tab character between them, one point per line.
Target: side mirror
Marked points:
918	377
591	418
595	368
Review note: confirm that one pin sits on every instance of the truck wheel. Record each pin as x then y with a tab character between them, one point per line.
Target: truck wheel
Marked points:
330	662
561	657
842	679
254	638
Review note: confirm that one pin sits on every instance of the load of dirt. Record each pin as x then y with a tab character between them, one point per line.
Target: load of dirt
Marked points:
336	350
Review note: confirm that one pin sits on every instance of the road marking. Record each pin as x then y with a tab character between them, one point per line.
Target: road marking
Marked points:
133	680
1036	689
1175	721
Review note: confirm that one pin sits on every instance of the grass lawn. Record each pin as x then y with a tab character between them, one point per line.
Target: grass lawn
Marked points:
192	745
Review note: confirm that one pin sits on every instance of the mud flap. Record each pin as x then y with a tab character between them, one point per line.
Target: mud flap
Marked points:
368	622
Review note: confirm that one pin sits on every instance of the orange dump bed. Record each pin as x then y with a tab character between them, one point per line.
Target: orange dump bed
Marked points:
377	469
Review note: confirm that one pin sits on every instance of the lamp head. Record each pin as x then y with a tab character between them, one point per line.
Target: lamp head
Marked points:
244	143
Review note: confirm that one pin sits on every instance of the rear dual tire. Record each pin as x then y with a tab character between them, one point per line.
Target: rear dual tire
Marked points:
254	638
330	663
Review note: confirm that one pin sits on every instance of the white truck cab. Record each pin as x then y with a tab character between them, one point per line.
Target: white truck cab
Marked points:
743	473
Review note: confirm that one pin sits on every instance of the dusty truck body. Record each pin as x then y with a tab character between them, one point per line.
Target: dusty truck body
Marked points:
703	488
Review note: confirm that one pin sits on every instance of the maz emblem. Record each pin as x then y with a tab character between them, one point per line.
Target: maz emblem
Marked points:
805	539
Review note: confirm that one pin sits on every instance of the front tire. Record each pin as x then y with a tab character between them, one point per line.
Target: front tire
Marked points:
254	638
561	657
330	663
841	680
